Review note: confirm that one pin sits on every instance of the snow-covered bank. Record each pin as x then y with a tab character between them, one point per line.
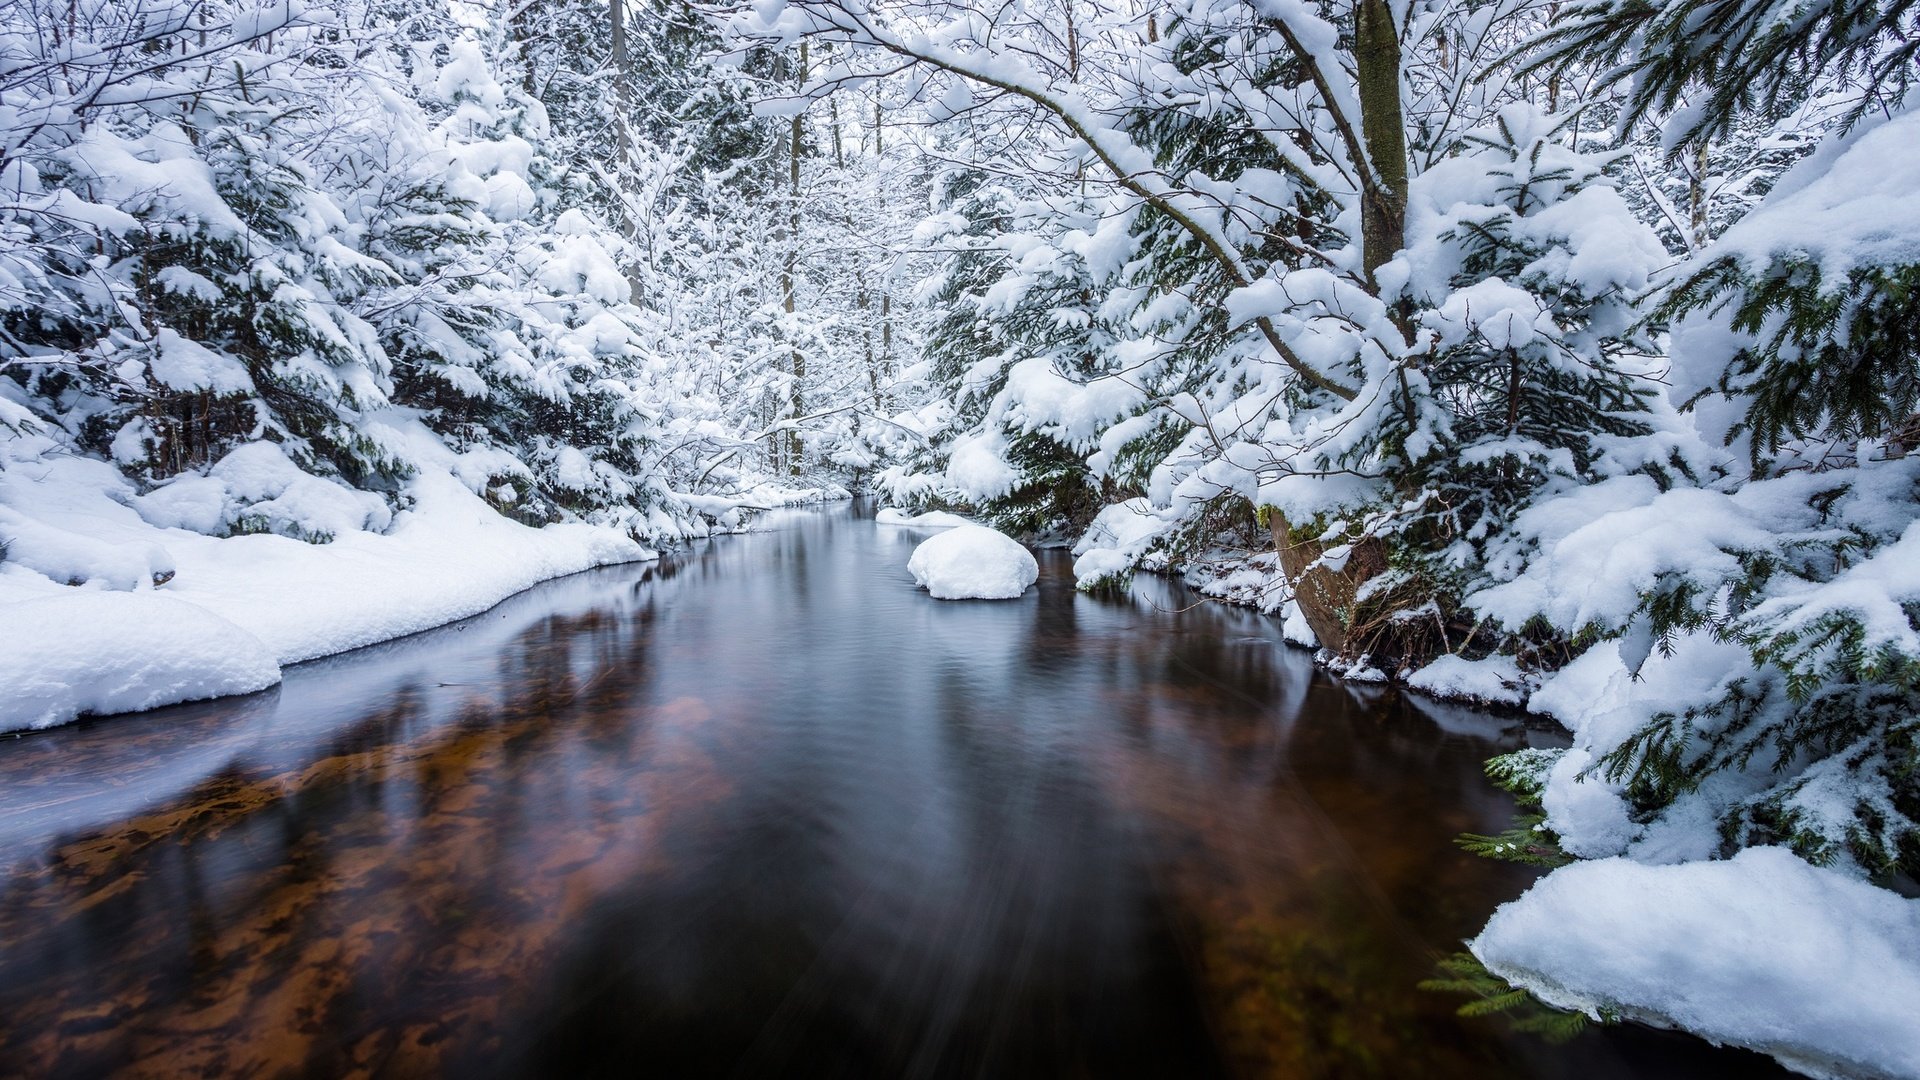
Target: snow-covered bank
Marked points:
1813	965
101	652
932	519
239	607
1761	950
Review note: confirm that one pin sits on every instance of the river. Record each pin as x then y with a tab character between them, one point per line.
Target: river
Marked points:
764	809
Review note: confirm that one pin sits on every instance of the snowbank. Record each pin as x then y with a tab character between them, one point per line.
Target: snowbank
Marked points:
450	557
972	562
1495	680
932	519
110	652
241	606
1820	970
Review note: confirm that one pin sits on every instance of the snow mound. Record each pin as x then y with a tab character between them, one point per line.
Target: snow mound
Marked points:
972	562
257	486
1818	969
932	519
94	652
73	558
1496	679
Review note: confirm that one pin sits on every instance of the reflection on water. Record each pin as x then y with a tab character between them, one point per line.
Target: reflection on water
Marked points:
767	810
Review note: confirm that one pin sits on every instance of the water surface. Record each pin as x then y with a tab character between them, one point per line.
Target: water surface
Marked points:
766	810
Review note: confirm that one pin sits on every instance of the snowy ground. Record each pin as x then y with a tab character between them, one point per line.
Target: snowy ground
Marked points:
1760	950
237	608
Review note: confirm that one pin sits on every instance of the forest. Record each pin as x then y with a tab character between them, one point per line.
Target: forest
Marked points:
1558	357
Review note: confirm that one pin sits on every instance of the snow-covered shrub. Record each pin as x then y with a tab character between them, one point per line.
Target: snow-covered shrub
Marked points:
1019	351
1528	378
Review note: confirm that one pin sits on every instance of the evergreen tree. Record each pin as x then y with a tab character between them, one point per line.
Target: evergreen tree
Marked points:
1777	587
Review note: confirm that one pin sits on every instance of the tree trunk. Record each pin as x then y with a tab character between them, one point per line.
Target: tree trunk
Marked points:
1697	198
790	269
1383	200
617	15
1325	595
833	117
518	20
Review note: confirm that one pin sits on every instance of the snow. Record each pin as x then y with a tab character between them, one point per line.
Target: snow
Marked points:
1254	581
973	562
1119	536
242	606
932	519
977	467
1496	679
73	558
1849	206
186	365
98	652
259	484
1762	950
1605	545
1875	592
1599	548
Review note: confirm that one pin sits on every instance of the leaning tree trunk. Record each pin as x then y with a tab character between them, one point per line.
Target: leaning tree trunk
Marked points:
1328	594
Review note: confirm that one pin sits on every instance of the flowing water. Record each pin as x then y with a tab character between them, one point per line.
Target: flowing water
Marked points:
763	809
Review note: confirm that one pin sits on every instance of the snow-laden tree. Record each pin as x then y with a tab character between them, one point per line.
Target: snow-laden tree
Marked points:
333	228
1758	675
1291	332
1016	306
178	278
764	249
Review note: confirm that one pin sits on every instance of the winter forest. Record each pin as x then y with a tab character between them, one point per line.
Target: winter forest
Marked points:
1552	362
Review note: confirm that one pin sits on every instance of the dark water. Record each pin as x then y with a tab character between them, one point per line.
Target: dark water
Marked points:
765	810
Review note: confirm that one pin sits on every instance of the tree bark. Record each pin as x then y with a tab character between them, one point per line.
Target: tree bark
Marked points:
518	20
789	270
1697	198
617	16
1326	596
1383	203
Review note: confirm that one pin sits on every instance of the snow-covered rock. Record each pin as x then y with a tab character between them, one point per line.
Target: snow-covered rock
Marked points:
1816	968
932	519
972	562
